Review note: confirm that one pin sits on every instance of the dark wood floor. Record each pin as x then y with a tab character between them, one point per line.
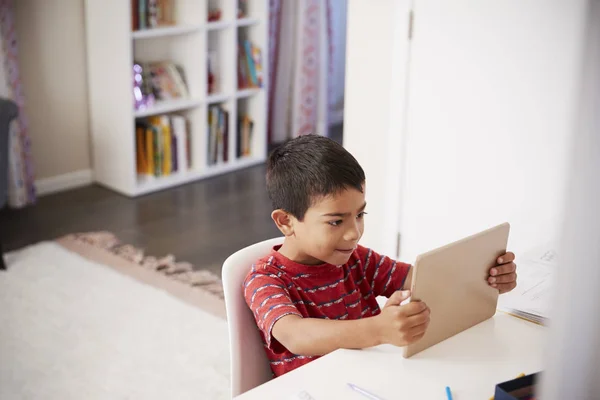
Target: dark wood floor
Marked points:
202	223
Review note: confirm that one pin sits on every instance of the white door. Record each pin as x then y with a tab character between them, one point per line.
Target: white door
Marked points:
491	95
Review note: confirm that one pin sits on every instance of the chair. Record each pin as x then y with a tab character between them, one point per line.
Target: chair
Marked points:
249	364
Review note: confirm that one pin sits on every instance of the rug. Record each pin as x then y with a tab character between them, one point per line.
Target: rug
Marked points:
100	326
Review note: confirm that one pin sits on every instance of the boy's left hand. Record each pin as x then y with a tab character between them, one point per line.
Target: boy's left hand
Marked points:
503	276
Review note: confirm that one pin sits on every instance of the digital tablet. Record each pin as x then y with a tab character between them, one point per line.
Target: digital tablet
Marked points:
452	281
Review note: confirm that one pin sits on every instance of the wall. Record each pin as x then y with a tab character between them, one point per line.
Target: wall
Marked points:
492	93
51	40
376	61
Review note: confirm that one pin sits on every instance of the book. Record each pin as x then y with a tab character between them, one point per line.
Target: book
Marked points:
152	7
148	14
142	14
167	80
135	15
244	136
162	145
250	61
179	130
226	137
250	68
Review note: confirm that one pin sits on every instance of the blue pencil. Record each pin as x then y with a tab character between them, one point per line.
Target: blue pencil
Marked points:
448	393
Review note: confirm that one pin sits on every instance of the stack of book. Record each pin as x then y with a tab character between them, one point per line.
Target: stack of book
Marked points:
244	137
218	135
148	14
532	298
162	145
162	80
250	70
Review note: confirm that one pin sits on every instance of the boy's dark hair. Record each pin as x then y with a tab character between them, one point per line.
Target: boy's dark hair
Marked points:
307	167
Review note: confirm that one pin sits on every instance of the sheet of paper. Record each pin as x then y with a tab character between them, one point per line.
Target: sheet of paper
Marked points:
303	395
535	282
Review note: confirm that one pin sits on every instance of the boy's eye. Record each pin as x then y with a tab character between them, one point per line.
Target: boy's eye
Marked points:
361	215
335	223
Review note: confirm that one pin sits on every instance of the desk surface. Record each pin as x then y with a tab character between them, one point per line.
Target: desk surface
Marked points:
471	363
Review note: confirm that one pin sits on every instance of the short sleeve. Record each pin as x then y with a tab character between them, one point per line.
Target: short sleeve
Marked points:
384	274
269	300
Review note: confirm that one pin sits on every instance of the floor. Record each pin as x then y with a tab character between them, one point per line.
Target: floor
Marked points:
202	223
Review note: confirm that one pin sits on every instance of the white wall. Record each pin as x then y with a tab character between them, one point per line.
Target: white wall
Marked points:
51	44
373	113
492	93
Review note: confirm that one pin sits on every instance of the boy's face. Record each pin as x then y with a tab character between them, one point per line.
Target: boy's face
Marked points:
331	228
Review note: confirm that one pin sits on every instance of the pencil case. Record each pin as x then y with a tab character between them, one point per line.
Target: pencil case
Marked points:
523	388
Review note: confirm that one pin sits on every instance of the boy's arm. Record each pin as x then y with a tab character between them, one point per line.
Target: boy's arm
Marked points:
315	337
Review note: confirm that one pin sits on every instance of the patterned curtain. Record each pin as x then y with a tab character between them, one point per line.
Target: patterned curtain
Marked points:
21	189
300	62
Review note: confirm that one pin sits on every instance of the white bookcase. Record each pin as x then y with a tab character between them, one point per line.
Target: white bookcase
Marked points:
112	47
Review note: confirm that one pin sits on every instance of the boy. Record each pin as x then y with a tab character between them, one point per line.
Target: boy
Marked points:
316	292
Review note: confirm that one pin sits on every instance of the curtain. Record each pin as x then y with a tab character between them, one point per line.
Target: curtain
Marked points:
21	189
300	58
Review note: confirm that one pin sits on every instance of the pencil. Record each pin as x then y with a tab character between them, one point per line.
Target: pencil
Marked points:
448	393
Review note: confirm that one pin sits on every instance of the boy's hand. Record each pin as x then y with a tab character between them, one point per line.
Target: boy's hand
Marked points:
402	325
503	276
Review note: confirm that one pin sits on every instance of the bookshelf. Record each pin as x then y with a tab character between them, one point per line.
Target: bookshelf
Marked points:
113	46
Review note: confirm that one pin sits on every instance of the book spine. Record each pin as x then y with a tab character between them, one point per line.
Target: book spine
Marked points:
257	58
166	136
152	13
142	14
150	150
250	60
226	137
179	132
238	139
135	15
215	129
174	146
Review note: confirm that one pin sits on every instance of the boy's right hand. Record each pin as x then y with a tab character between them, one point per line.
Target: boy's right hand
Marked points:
402	325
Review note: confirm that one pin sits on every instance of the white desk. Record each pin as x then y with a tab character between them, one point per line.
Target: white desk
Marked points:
471	363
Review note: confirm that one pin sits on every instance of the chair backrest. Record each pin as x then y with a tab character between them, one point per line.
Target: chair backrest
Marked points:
249	364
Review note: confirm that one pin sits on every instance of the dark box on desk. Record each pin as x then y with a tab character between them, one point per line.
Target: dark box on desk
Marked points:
523	388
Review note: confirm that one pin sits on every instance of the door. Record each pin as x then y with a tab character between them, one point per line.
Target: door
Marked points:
491	91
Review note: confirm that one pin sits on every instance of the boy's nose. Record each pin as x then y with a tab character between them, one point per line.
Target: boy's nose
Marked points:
353	234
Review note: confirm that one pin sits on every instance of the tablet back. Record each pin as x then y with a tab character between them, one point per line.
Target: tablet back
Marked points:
452	281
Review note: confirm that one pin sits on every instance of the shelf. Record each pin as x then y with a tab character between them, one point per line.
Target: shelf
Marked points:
148	183
247	21
241	93
165	31
221	168
211	26
190	43
217	98
167	106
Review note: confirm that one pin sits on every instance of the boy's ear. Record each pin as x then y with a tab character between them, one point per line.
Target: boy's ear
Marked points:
284	222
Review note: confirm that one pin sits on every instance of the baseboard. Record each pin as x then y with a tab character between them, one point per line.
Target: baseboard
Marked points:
64	182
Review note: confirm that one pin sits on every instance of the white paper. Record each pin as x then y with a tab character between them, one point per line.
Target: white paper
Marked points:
535	283
303	395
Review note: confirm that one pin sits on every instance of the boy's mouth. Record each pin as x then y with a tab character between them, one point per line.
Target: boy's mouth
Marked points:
345	251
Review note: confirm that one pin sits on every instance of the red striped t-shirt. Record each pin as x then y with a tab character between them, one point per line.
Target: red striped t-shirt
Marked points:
277	286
